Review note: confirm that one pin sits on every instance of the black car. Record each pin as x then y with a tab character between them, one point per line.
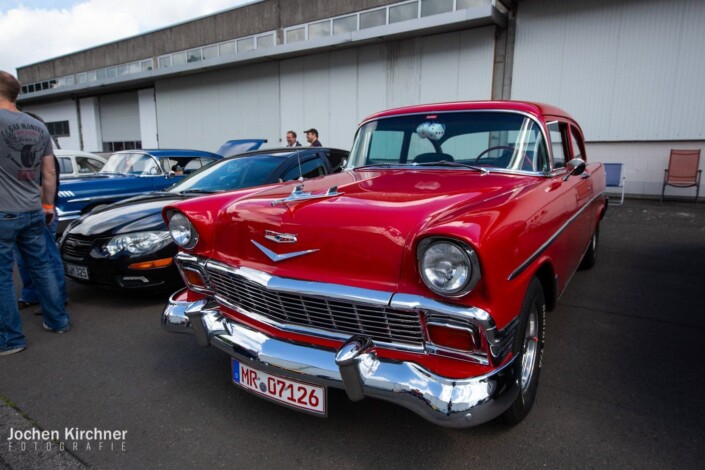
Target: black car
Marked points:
127	244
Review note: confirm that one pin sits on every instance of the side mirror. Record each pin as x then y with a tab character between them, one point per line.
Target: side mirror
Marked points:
575	167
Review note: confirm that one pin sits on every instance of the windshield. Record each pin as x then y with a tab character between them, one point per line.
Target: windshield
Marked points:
134	164
485	139
230	174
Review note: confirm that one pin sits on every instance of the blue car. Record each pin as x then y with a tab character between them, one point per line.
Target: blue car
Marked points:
130	173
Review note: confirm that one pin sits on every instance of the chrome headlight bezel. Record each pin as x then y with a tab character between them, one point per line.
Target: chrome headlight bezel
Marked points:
137	243
437	255
182	230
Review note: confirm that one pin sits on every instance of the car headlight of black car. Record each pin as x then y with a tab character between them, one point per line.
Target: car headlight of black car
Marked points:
182	231
448	267
137	243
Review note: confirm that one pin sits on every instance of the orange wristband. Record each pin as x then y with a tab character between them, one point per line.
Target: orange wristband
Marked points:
48	206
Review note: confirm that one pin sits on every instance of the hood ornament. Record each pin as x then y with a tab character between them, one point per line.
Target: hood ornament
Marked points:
277	257
298	194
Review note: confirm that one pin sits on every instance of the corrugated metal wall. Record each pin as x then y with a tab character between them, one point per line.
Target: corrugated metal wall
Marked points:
628	70
331	91
119	117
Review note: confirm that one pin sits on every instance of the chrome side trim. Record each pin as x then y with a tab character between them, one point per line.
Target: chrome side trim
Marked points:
298	194
522	267
101	198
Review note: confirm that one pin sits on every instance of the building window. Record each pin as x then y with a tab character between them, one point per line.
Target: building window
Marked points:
265	41
179	58
210	52
58	128
345	24
472	3
145	65
227	48
434	7
122	70
193	55
407	11
370	19
111	72
319	30
165	61
123	145
296	35
246	44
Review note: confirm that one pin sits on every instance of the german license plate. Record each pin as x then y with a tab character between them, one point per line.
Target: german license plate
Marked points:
300	395
74	270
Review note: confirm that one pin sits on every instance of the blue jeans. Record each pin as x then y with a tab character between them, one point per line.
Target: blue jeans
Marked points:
29	291
26	230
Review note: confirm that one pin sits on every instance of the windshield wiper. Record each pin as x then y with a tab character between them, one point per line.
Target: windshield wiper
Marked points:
481	169
200	191
379	165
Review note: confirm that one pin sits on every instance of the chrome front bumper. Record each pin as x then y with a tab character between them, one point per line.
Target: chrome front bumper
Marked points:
354	367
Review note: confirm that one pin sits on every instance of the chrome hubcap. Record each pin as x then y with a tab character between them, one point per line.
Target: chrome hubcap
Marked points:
530	348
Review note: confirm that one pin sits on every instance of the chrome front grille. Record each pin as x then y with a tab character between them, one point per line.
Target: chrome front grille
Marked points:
381	324
75	247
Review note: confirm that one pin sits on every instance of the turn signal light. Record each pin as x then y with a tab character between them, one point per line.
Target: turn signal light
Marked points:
159	263
194	278
453	337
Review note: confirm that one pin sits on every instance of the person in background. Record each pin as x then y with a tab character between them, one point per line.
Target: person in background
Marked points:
29	295
25	210
312	137
291	139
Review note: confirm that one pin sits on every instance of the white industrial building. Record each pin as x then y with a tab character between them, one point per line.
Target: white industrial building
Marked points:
630	71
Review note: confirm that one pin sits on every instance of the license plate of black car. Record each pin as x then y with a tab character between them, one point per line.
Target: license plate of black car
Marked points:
77	271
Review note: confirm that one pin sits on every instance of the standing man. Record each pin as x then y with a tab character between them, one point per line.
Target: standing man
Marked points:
312	137
29	295
25	209
291	139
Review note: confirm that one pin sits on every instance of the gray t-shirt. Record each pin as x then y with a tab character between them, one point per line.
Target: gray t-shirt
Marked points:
23	143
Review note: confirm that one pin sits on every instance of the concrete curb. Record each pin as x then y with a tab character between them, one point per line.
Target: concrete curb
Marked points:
20	454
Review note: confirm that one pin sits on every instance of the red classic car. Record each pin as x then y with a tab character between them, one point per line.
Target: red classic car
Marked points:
421	275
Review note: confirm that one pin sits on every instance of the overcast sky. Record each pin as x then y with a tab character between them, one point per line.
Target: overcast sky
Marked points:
35	30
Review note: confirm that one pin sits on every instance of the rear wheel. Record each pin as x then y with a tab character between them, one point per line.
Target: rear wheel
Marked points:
590	257
528	351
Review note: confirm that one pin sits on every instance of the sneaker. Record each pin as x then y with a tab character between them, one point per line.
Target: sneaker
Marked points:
16	349
65	329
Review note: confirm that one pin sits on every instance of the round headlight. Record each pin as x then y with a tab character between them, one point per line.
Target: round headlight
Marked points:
182	231
448	268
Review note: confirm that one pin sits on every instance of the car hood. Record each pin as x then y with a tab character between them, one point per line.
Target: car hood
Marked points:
138	214
362	234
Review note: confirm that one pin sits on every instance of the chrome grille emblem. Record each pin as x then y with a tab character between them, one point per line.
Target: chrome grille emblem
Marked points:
280	237
277	257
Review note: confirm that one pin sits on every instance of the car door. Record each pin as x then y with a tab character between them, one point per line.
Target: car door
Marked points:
575	194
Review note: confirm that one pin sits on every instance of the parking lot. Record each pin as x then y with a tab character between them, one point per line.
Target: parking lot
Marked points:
620	385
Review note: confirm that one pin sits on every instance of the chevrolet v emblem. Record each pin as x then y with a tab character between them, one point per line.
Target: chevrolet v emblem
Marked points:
280	237
276	257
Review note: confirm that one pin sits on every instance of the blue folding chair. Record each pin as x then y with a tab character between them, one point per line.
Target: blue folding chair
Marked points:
615	179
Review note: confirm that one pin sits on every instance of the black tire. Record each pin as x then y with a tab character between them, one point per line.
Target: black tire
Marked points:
590	257
528	350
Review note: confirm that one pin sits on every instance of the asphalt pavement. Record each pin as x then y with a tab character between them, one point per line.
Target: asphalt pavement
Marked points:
620	386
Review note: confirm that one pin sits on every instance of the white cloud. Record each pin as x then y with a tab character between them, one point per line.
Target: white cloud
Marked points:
31	35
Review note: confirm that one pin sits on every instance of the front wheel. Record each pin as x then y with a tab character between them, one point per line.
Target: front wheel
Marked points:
528	351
